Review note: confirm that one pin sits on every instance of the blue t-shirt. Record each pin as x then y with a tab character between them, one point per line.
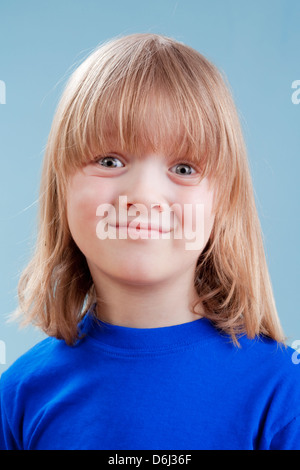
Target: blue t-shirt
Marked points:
180	387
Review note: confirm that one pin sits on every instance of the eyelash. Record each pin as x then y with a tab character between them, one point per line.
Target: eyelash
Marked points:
116	158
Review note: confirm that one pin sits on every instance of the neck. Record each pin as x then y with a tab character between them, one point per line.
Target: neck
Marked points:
146	306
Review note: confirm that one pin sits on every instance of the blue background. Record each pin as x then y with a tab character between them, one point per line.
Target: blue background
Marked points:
256	44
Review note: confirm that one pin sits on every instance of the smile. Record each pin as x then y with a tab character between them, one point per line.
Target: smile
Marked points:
141	228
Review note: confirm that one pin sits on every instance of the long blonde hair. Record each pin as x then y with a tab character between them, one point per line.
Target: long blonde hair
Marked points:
108	97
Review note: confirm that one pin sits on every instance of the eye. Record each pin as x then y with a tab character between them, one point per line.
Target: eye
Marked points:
110	162
184	169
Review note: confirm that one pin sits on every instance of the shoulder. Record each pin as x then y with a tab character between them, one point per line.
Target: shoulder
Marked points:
264	374
32	363
267	355
276	368
47	357
47	360
270	354
262	364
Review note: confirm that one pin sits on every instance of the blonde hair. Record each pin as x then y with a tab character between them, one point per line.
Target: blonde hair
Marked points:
108	98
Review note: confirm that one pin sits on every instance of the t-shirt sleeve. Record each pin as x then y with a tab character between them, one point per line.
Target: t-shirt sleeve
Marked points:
288	438
3	426
2	441
7	441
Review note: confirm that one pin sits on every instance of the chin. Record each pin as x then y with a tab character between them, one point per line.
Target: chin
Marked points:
137	276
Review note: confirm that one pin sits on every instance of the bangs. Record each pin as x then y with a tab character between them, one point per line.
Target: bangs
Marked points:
150	97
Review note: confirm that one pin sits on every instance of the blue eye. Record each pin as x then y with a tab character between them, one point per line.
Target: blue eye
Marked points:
184	169
110	162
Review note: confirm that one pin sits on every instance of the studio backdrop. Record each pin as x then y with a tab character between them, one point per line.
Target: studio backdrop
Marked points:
256	44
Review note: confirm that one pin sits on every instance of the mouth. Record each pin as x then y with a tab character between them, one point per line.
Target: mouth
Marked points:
142	227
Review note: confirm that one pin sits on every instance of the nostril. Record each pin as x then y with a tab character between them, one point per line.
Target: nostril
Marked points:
159	206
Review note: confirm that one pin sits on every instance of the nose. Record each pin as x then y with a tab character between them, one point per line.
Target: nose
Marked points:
139	205
145	187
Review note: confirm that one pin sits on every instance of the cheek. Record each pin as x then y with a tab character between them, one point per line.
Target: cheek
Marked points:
83	197
208	216
195	211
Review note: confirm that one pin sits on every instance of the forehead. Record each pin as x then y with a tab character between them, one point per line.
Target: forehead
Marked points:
154	126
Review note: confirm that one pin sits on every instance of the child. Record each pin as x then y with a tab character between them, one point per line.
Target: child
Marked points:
153	343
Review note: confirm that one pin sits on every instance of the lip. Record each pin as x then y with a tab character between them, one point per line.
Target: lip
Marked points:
142	227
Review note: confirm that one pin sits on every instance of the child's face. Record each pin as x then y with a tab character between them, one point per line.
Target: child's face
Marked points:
150	190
